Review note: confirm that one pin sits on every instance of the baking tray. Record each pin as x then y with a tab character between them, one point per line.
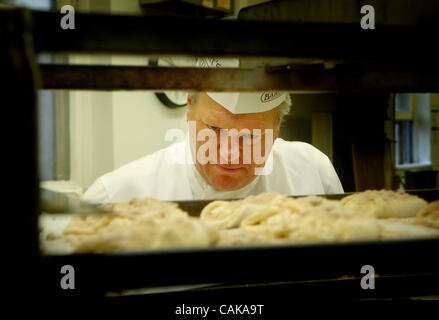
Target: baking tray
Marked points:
194	207
99	273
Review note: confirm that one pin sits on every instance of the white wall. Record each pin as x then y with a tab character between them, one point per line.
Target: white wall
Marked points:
91	131
140	122
110	129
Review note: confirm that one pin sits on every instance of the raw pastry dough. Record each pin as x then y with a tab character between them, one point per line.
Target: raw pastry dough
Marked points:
392	229
273	218
238	236
277	217
151	234
230	214
280	219
267	218
384	203
136	225
321	225
429	215
225	215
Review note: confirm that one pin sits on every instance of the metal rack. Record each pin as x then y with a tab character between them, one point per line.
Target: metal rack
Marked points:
391	67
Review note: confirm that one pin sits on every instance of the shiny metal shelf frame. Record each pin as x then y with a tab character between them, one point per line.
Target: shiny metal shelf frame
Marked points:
339	80
95	33
387	59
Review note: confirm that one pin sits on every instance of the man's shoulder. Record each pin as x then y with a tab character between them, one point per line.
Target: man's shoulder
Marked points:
147	176
306	167
148	165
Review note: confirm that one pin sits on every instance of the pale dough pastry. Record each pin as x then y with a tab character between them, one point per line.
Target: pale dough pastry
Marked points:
224	214
384	203
254	209
136	225
150	206
429	215
240	237
278	217
316	224
267	218
320	226
50	228
295	220
393	229
176	232
230	214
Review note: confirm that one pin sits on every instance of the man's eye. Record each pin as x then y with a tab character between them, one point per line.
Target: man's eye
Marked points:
214	128
250	136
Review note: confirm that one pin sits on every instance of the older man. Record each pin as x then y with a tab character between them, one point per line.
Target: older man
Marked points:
232	150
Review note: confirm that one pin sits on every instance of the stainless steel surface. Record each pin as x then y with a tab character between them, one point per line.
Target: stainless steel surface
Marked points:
55	202
292	78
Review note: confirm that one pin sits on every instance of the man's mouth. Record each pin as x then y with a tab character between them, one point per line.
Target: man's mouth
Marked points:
226	168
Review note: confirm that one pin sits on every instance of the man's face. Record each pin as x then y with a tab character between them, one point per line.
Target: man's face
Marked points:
209	115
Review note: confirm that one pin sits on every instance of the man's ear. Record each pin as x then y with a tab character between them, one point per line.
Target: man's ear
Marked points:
189	100
188	115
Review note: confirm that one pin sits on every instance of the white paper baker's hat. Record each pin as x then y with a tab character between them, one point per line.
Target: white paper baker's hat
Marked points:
241	102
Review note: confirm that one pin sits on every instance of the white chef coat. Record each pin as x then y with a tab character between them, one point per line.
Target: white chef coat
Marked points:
169	174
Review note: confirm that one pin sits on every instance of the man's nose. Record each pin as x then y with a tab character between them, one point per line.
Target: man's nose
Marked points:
231	153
